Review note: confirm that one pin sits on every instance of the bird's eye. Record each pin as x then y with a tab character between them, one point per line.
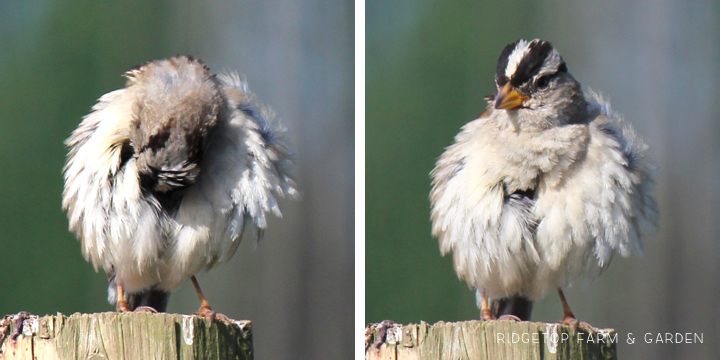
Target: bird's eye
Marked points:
542	82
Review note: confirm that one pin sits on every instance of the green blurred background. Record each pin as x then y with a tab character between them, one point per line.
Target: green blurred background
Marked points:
428	66
58	57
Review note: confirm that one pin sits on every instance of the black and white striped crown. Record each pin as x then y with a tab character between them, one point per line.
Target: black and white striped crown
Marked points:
523	60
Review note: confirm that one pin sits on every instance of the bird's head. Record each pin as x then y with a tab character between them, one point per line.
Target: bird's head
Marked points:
535	88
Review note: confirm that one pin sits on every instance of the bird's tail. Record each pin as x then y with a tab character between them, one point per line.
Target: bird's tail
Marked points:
516	305
154	298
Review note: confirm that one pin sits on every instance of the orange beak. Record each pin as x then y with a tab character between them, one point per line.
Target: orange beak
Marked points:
509	98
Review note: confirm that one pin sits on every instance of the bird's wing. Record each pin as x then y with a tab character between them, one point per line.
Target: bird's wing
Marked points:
245	168
602	204
95	151
261	146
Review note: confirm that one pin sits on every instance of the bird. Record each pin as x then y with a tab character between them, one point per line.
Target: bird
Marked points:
542	190
165	175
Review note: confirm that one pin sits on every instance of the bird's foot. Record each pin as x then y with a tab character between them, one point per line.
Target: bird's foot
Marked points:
510	318
146	309
122	306
572	322
382	329
584	325
486	315
207	312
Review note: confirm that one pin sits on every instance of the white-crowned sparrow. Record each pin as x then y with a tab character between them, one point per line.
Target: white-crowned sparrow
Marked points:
164	176
542	189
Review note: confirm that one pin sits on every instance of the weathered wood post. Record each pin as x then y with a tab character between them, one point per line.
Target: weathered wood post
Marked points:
496	340
135	335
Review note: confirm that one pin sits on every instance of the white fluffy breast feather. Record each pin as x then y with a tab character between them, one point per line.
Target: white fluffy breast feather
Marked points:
243	171
590	200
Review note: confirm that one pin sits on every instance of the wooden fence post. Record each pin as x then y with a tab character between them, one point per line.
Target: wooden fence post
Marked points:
477	340
133	335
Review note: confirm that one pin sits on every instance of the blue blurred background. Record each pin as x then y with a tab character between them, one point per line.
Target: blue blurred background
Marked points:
58	57
429	64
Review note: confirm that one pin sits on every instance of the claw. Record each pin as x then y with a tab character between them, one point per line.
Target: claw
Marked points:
205	309
584	325
147	309
575	325
510	318
207	312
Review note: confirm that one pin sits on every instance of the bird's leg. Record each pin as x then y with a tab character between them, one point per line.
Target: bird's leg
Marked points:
569	318
205	310
485	313
568	314
122	305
